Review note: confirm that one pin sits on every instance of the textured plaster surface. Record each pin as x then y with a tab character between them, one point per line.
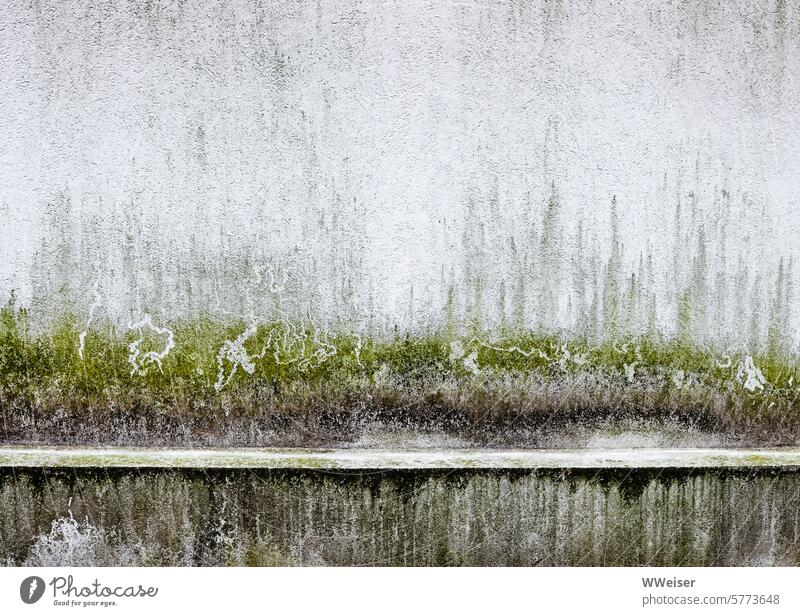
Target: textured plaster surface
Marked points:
366	161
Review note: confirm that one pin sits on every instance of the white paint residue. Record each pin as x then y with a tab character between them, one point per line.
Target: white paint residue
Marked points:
750	376
471	363
139	360
234	352
95	305
630	371
456	351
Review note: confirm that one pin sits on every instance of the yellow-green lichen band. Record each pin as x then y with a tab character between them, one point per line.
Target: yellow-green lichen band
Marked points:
385	459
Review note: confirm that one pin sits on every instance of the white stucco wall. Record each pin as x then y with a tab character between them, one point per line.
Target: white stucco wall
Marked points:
359	159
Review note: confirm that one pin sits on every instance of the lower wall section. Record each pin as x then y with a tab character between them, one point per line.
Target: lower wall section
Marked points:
464	517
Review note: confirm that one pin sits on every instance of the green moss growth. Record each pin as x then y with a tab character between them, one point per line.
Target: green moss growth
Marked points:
206	367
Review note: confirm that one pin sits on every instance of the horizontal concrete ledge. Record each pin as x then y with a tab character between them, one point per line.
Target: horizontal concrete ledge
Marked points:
385	459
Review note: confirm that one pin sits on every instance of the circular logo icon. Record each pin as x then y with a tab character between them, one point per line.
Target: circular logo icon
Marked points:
31	589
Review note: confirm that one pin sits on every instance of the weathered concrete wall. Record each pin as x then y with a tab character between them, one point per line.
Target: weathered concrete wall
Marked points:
251	516
369	160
